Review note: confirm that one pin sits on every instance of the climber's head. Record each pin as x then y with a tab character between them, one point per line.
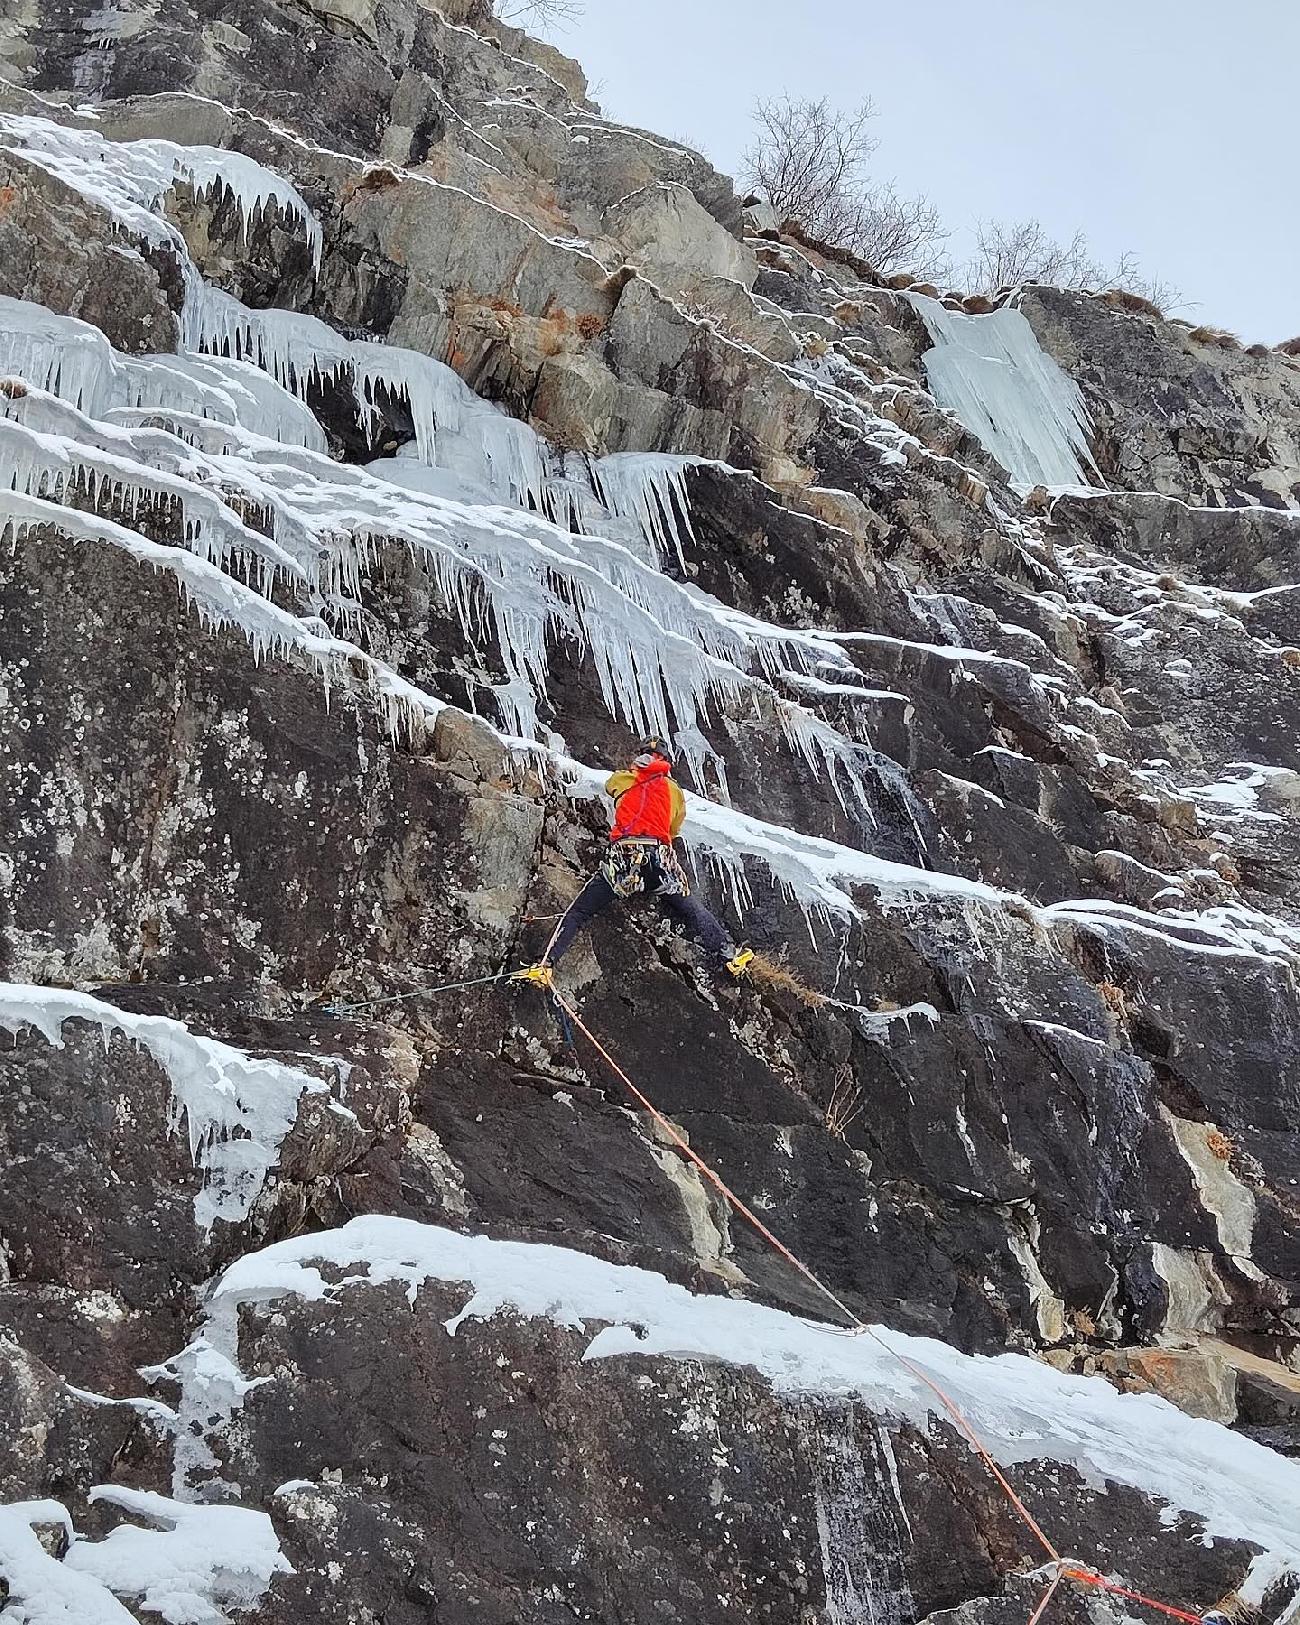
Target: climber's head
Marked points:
652	749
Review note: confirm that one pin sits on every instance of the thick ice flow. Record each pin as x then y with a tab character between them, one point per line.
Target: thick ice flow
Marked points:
73	360
662	652
993	373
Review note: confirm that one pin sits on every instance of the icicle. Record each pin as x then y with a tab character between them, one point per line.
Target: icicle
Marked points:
650	489
130	179
69	358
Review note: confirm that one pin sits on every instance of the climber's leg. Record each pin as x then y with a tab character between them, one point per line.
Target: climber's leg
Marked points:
593	899
698	922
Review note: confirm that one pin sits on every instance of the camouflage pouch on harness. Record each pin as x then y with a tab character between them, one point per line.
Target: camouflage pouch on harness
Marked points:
671	876
644	866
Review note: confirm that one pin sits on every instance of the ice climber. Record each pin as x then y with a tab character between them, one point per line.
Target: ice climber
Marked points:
648	812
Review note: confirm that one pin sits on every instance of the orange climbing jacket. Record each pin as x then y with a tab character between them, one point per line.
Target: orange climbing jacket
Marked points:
647	803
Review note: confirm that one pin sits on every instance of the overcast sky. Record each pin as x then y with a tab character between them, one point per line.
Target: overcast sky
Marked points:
1164	127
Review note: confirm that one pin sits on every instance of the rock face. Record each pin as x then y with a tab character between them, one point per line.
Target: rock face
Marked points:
387	440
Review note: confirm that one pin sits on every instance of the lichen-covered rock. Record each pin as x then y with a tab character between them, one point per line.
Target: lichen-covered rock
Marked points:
1175	413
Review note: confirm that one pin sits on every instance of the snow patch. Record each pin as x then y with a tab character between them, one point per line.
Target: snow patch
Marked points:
1024	1409
237	1107
194	1563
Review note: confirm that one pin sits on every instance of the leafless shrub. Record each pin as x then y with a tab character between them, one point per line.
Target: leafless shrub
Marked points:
811	159
1289	347
846	1104
540	13
1010	253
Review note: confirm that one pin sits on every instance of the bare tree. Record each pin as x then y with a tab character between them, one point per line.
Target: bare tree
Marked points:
1008	254
812	160
901	234
543	13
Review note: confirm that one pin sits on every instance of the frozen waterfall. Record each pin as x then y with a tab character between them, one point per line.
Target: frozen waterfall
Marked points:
993	373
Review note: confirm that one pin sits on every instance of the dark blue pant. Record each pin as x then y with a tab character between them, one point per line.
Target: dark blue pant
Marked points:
686	912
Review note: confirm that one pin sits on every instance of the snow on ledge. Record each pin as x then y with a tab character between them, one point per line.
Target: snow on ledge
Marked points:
818	873
217	1089
197	1560
1024	1409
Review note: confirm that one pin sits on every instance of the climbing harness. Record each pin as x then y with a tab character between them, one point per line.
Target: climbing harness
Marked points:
415	993
640	864
1062	1569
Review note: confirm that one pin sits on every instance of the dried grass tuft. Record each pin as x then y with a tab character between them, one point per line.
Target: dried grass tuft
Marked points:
777	977
379	178
1136	303
1215	336
1219	1145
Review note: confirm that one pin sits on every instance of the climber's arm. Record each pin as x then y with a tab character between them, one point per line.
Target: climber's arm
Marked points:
678	801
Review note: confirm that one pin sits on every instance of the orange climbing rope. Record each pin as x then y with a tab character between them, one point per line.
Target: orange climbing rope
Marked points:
1064	1570
1047	1596
1089	1577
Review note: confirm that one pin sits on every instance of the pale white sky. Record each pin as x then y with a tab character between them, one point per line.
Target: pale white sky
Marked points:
1165	127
